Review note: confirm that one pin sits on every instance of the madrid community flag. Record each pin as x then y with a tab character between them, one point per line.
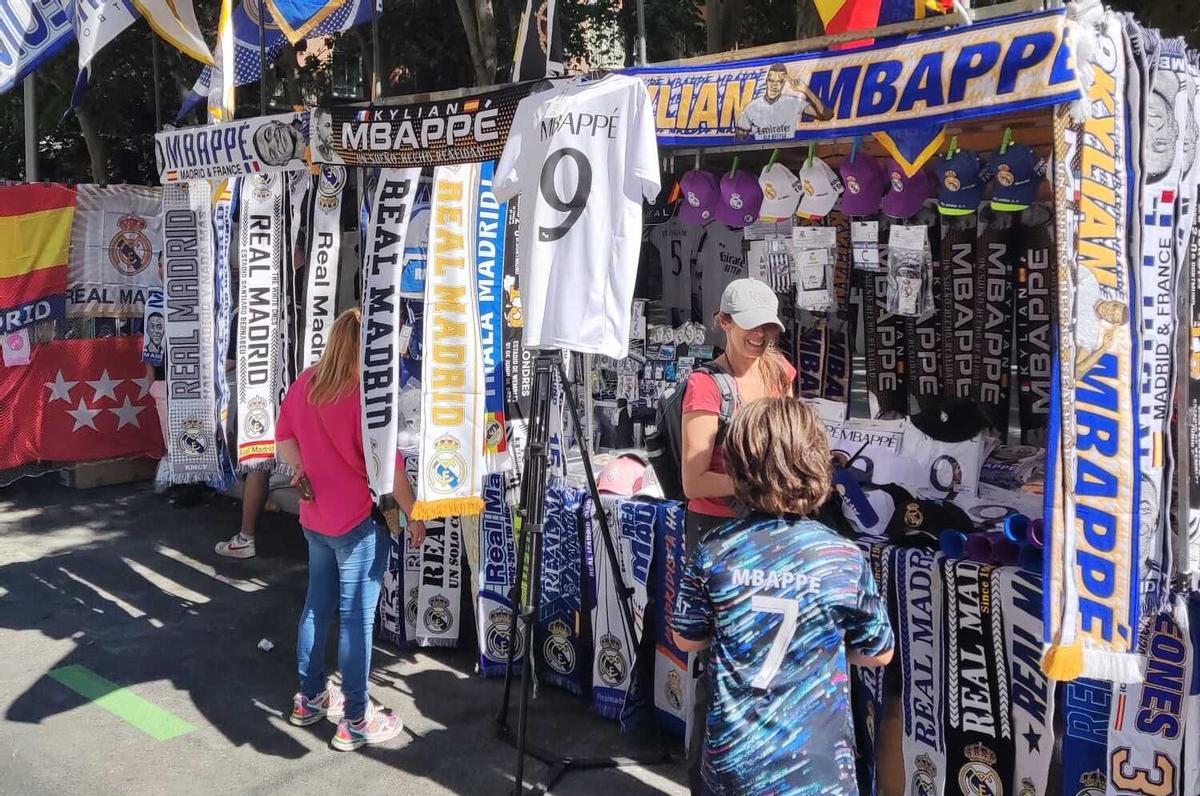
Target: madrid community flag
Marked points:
35	236
78	400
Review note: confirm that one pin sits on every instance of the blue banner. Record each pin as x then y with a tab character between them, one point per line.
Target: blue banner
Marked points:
31	32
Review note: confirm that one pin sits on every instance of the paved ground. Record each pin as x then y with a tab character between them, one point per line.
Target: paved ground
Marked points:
115	583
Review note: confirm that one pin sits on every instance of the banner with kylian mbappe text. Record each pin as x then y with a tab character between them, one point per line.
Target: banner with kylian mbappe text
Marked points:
247	146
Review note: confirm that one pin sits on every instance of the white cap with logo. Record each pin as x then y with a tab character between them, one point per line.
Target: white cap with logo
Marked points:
821	189
751	304
781	192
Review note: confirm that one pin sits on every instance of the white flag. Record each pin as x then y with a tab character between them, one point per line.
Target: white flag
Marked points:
175	21
97	23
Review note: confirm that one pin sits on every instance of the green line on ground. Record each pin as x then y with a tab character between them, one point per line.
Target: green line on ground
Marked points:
121	702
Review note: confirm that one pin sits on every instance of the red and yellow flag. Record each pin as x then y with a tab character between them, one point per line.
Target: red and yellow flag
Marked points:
35	237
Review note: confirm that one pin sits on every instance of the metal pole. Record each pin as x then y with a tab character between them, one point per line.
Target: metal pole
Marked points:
31	134
157	95
376	84
262	61
641	27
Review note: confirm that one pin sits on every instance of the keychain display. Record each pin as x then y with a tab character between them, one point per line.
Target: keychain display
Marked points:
910	277
814	252
864	242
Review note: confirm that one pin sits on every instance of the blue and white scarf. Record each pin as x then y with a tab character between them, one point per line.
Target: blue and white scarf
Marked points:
490	232
562	653
496	576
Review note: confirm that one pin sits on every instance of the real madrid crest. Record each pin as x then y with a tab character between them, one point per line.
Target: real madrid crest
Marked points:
130	250
1004	175
257	418
1094	783
446	466
192	439
673	690
558	650
498	636
261	185
410	607
613	668
913	517
951	180
852	184
438	618
329	187
978	777
924	779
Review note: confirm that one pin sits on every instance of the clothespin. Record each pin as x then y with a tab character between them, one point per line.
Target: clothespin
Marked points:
812	148
953	147
854	147
774	157
737	159
1007	142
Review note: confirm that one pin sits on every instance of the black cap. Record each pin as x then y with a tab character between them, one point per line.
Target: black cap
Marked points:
919	522
952	420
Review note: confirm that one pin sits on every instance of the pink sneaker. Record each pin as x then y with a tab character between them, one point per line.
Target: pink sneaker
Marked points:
375	727
329	702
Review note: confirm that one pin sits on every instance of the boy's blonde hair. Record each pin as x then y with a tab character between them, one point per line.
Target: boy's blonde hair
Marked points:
777	456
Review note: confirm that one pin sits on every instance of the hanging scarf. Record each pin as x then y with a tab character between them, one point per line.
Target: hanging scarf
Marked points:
1191	738
188	286
922	688
440	593
839	328
1145	736
921	334
1186	546
612	670
1085	706
1095	576
491	219
154	327
323	258
956	308
993	316
563	652
1019	594
673	695
390	617
497	574
867	686
810	354
1035	310
260	249
223	208
390	208
452	434
637	523
518	371
416	244
887	390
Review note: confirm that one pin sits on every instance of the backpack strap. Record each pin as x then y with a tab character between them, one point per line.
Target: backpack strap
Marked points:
728	389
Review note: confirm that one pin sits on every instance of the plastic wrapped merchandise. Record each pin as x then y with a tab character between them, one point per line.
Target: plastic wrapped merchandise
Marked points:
910	271
814	250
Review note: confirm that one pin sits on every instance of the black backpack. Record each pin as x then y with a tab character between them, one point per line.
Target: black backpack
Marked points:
664	445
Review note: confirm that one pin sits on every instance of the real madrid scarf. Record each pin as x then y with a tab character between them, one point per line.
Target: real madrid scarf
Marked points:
260	249
518	361
390	615
324	251
839	327
1019	593
922	692
1187	247
188	286
867	684
1035	310
1085	706
921	334
613	691
957	306
1095	573
497	574
1146	730
978	724
563	650
608	691
1191	735
993	316
452	434
637	522
673	695
223	208
491	220
391	205
154	327
440	593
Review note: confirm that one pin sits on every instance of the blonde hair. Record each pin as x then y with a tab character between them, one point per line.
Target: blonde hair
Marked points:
337	371
778	458
772	365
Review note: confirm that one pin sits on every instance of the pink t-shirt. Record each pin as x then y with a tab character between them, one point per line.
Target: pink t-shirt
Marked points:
703	395
331	447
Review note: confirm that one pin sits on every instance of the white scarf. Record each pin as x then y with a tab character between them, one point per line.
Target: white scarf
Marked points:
919	610
391	207
323	250
450	481
188	286
260	247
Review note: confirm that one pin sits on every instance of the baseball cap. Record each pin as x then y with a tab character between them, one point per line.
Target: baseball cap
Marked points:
625	475
701	195
919	522
781	191
1017	173
750	303
822	187
908	194
962	179
741	199
953	420
864	181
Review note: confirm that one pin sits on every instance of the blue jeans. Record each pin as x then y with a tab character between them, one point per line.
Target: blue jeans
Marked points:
345	574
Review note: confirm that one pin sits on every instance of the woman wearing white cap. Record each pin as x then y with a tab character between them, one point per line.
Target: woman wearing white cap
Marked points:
749	319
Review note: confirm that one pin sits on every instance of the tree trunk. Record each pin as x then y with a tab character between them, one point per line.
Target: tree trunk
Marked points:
95	146
723	21
479	22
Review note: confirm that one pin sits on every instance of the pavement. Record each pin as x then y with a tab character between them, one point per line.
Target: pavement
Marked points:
131	665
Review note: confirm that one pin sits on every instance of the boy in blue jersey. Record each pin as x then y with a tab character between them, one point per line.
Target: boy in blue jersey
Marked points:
785	603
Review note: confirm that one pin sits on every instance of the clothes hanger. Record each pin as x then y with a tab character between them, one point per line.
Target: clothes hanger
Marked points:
1008	140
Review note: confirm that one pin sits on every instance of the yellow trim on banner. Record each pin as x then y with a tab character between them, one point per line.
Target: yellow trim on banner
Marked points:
885	140
450	507
35	241
203	56
296	35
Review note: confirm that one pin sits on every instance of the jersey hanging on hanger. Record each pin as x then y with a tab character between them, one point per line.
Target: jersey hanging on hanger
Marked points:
676	244
583	156
720	261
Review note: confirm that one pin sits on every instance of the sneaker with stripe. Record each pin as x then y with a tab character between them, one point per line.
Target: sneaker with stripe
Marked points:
329	703
375	727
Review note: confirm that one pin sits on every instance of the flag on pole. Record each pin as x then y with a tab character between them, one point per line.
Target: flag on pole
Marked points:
298	19
175	21
219	90
539	51
31	32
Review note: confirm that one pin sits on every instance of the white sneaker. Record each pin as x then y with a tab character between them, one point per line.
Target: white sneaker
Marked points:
237	547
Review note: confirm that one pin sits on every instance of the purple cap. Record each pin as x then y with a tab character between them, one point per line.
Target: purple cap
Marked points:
908	194
741	199
701	195
864	180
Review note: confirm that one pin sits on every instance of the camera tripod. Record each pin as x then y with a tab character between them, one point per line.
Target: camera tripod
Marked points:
527	601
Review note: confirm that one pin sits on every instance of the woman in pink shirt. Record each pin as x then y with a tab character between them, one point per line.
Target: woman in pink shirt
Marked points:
319	435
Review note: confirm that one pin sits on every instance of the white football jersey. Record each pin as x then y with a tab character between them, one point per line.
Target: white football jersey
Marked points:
676	243
773	121
720	262
582	156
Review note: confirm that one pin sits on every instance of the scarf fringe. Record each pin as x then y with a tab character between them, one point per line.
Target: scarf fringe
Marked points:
261	465
1065	662
451	507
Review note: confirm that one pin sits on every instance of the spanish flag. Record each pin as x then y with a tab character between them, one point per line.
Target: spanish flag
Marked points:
35	237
